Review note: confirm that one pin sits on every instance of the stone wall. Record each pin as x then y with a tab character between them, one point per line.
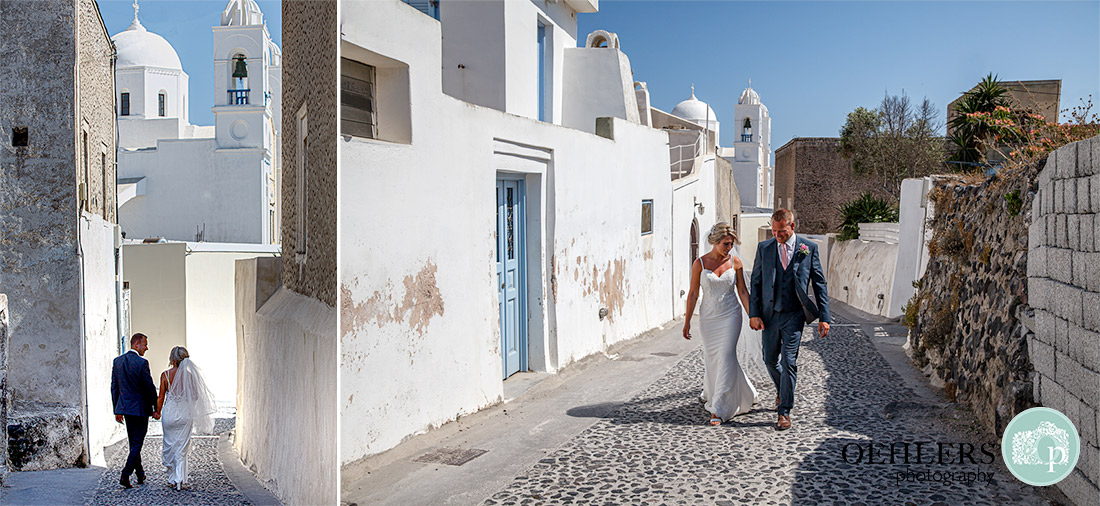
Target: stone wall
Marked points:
813	180
1063	274
309	77
965	317
40	210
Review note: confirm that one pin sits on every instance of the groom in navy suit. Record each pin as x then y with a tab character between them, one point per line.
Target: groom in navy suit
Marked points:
788	291
135	399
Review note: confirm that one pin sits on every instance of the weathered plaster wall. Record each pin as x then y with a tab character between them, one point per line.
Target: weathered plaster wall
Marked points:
40	266
1063	283
813	177
915	212
286	411
419	321
861	274
310	79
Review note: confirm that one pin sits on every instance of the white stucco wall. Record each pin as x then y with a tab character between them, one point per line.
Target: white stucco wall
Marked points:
698	187
598	83
913	237
191	182
750	236
420	332
286	410
101	343
860	272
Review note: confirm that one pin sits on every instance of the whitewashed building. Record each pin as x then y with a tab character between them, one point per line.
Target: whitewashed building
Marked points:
187	182
751	152
495	217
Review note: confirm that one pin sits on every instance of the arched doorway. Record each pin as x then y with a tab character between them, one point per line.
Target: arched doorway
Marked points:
694	240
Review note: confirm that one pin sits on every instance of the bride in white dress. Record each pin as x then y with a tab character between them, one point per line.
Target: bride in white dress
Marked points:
185	405
720	277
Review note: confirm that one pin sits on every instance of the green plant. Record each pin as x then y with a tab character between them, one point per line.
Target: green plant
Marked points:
1014	202
865	209
912	311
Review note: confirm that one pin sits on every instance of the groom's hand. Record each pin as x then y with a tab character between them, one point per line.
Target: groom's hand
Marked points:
756	323
823	328
156	415
118	418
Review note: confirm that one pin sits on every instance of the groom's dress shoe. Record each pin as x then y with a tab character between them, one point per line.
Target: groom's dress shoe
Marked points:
125	482
784	422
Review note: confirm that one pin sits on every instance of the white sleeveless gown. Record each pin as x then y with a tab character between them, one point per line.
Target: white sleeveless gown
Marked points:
176	421
727	390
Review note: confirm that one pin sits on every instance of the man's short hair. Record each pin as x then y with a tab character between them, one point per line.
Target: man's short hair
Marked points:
784	215
136	337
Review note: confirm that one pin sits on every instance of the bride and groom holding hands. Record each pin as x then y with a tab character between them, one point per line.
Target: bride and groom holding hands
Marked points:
785	291
184	405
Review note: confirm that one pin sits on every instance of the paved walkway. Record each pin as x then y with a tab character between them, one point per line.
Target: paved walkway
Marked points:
216	474
653	446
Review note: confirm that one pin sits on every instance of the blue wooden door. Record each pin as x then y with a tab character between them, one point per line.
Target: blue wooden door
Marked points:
510	276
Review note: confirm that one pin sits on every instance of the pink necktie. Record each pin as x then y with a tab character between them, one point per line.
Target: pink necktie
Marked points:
783	254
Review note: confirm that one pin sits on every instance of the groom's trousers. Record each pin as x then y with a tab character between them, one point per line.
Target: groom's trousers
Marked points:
136	427
781	338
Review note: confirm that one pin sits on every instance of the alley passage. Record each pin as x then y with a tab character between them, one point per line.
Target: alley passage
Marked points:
657	449
209	483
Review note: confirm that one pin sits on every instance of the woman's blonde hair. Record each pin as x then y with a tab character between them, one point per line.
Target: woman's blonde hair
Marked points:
719	231
177	355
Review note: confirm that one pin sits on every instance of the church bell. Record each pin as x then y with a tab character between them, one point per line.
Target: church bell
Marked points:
240	68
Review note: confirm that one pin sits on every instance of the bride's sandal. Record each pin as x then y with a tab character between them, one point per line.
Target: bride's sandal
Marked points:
715	421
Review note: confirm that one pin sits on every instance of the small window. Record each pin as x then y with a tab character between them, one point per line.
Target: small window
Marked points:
358	114
125	105
19	136
161	103
647	217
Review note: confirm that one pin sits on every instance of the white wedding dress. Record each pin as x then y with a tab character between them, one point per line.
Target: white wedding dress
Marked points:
188	407
727	390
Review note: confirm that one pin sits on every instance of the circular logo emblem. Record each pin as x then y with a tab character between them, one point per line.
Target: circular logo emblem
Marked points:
1040	446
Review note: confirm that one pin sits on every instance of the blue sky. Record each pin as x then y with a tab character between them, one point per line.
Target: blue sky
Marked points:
811	62
186	25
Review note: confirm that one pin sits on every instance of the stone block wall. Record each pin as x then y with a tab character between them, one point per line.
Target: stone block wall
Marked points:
813	180
1063	271
3	386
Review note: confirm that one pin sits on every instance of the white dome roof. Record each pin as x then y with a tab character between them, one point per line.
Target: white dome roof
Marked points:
694	110
138	47
749	96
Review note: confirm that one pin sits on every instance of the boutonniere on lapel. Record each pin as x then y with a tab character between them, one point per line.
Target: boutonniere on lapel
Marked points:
803	250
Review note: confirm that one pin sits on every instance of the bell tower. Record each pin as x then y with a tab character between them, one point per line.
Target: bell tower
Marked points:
246	79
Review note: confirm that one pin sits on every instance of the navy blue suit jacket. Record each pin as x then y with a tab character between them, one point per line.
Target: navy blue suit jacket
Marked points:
132	389
809	281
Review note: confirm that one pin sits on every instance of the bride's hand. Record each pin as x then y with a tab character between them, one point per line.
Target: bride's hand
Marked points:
687	330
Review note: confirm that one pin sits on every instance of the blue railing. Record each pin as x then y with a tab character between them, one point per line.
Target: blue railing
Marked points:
746	137
238	97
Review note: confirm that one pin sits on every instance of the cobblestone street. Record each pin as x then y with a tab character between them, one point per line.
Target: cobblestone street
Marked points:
209	483
658	449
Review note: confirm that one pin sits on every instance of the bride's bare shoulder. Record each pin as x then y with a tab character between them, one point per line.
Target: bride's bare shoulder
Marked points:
737	263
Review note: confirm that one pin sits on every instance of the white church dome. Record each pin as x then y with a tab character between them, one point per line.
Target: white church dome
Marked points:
138	47
749	96
694	110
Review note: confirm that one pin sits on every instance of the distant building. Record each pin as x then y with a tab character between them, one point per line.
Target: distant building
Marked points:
813	179
1041	96
59	245
751	151
186	182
